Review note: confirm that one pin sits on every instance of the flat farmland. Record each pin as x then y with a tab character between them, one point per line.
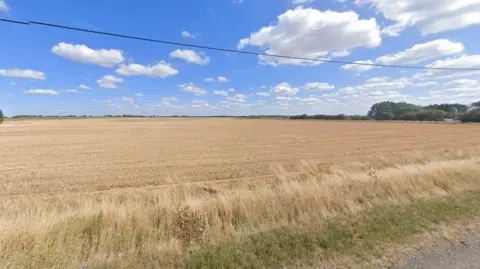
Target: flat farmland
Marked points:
88	155
228	193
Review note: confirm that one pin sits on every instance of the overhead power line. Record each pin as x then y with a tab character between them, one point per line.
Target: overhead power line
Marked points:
60	26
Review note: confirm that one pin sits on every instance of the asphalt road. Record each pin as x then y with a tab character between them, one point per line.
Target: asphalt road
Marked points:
462	255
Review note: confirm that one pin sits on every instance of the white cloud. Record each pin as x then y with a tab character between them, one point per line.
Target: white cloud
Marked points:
128	100
263	94
161	69
3	6
358	67
429	16
240	98
462	83
113	105
190	87
190	56
299	2
313	33
83	86
223	79
22	73
318	86
169	99
84	54
231	90
71	91
139	94
186	34
283	98
12	83
238	1
377	84
101	101
109	82
283	89
209	80
199	103
41	92
308	100
426	84
464	61
220	92
422	52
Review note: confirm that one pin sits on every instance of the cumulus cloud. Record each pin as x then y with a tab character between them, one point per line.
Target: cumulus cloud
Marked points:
220	92
464	61
71	91
231	90
240	98
426	84
462	83
422	52
139	94
223	79
191	88
318	86
168	99
299	2
265	94
416	54
41	92
315	34
186	34
190	56
358	67
284	89
84	54
377	84
219	79
109	82
429	16
83	86
128	100
22	73
3	6
161	69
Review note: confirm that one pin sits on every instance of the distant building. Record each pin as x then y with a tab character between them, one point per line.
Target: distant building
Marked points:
451	120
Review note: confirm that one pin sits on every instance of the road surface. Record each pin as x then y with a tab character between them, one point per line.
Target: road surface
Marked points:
462	255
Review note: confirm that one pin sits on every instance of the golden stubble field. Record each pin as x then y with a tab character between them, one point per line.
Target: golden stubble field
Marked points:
165	193
52	156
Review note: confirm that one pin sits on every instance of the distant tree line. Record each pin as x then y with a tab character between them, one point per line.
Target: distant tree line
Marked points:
380	111
408	112
329	117
437	112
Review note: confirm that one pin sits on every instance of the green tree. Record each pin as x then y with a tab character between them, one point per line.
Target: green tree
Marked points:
386	116
472	116
476	104
1	116
431	115
448	107
378	110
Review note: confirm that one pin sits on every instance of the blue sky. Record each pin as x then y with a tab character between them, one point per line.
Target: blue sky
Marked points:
53	71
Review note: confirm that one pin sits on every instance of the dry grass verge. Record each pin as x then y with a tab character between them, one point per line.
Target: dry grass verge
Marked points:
312	215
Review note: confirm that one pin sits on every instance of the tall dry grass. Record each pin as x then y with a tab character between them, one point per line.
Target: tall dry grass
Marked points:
155	228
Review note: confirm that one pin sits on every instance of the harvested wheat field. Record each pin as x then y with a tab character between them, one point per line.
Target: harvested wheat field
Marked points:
225	193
